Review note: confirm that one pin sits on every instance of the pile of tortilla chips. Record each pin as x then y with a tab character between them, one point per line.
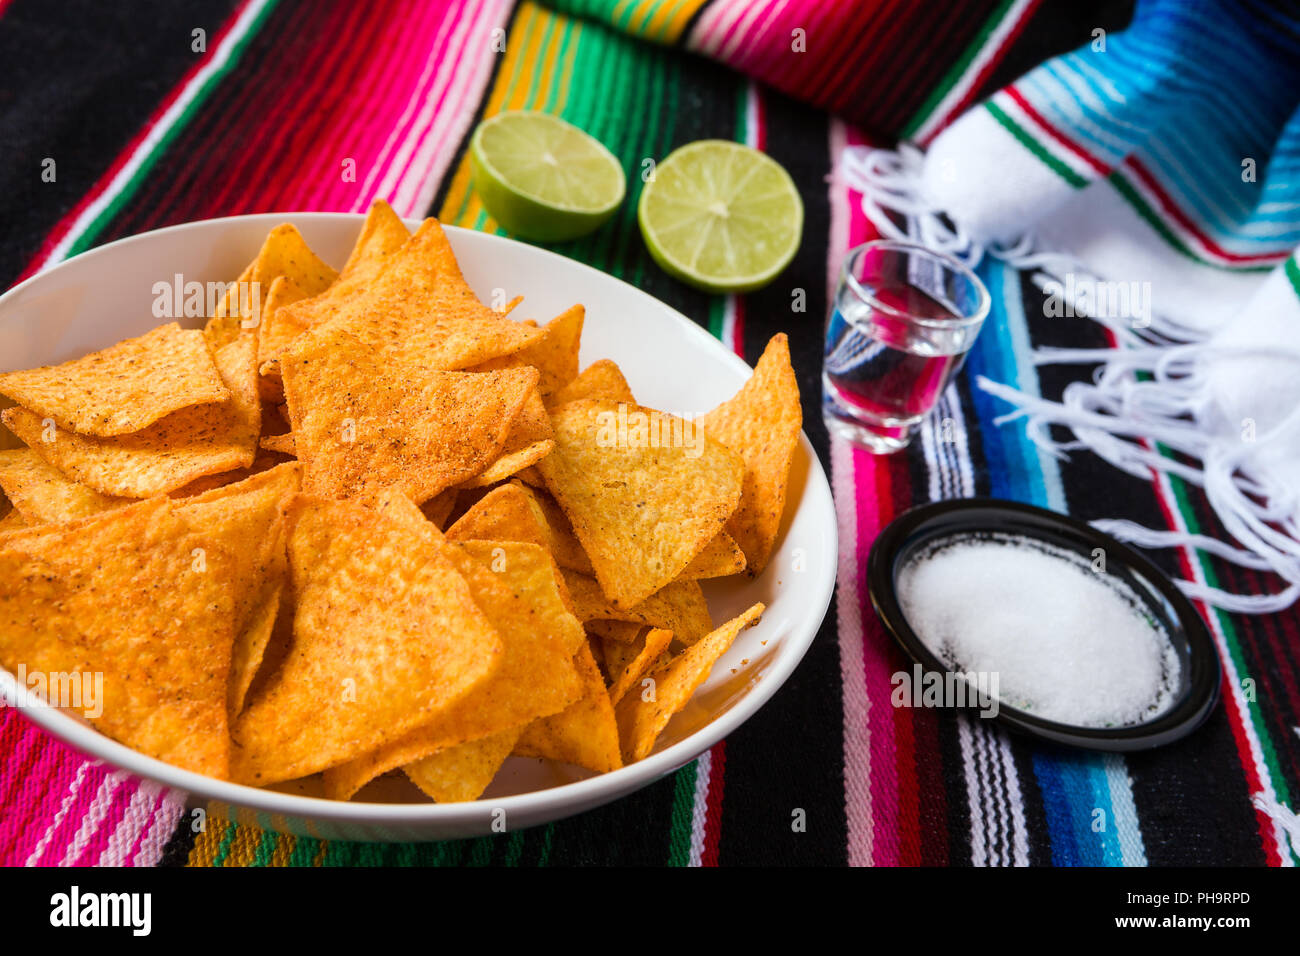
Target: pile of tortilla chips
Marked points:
362	523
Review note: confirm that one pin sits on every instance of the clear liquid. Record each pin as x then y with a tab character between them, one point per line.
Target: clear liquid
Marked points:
880	370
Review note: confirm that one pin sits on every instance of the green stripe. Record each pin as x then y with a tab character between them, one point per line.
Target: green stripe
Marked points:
1035	147
958	70
1276	774
223	849
129	189
266	848
683	815
1292	270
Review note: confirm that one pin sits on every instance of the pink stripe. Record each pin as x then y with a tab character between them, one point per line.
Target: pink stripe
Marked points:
162	823
26	763
369	121
68	828
377	116
62	799
98	841
409	192
397	130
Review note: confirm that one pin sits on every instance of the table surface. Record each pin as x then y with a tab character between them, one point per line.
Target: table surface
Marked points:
143	132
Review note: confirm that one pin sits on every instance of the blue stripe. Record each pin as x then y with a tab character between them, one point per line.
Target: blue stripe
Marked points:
1088	803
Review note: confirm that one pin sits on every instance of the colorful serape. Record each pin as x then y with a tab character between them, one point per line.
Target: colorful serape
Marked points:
147	130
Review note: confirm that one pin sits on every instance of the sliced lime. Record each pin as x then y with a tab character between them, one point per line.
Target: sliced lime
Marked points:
542	178
721	216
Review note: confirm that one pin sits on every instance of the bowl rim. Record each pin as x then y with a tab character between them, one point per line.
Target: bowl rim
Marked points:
574	796
1188	712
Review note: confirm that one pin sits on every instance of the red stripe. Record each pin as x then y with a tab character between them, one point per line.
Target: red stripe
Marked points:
1239	735
1171	210
65	225
713	807
277	163
1100	167
982	77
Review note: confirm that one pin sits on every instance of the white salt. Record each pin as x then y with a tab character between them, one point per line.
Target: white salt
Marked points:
1068	643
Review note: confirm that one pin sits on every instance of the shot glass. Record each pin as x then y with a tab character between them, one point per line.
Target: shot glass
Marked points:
900	325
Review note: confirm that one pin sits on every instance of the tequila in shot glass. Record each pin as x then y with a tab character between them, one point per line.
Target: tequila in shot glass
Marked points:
901	322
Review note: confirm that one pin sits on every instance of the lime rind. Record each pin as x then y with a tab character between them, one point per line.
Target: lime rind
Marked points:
542	178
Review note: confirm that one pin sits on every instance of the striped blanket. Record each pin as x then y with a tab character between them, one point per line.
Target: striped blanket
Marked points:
153	115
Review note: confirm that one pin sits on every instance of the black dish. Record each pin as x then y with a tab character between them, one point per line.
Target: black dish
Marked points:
1198	690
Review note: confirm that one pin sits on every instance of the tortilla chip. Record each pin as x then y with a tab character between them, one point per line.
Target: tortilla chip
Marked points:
280	444
503	514
626	674
256	503
418	309
641	720
386	637
719	558
644	491
514	584
460	774
382	233
761	423
283	253
554	354
42	493
149	597
361	422
623	632
585	733
527	443
274	333
438	509
123	388
680	607
560	539
170	453
603	379
264	461
13	521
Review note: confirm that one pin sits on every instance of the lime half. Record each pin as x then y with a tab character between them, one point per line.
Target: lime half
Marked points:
542	178
721	216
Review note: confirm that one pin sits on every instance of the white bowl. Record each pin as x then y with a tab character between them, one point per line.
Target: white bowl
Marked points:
107	295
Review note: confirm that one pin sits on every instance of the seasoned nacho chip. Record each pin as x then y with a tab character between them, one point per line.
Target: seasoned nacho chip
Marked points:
643	716
647	653
418	309
439	508
554	354
585	733
170	453
406	427
283	253
382	233
254	504
150	599
13	521
41	493
461	773
514	584
123	388
503	514
275	331
761	423
720	557
680	607
560	539
624	632
386	637
644	491
602	379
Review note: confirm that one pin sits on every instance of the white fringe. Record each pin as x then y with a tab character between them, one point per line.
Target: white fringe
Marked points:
1117	415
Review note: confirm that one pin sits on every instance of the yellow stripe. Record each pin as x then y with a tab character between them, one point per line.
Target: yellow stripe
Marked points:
243	848
524	81
681	12
208	842
284	847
